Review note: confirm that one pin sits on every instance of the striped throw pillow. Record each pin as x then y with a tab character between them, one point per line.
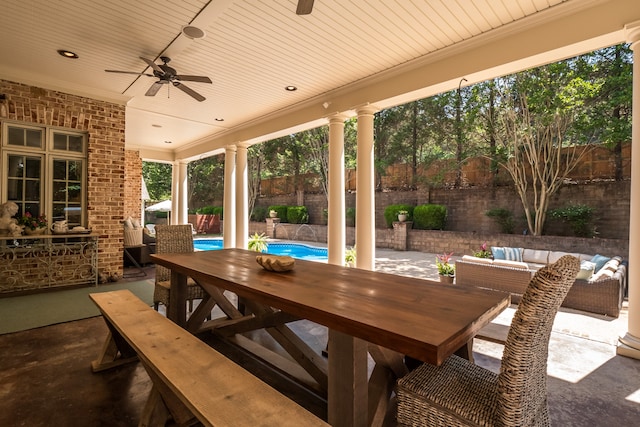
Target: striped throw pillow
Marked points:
513	254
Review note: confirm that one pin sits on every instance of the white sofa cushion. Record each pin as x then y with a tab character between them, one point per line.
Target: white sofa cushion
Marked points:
535	256
477	260
509	263
586	270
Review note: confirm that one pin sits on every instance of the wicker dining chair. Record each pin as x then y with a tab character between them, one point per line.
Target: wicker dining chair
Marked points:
459	393
171	239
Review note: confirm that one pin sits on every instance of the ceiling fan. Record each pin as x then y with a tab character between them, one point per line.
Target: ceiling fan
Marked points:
167	75
304	7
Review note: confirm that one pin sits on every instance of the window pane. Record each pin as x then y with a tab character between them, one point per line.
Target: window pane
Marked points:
74	193
59	169
73	214
32	190
58	211
75	171
15	136
16	166
59	191
32	208
14	189
33	167
75	143
59	141
34	138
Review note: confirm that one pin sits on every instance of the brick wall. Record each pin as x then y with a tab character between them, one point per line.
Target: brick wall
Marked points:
466	207
133	187
105	124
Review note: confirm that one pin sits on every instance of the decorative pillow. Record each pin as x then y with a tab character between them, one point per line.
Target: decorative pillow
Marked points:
603	273
586	270
497	252
513	264
599	261
513	254
477	260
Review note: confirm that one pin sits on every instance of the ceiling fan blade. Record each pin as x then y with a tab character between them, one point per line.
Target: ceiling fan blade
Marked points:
199	79
129	72
153	65
304	7
189	91
153	89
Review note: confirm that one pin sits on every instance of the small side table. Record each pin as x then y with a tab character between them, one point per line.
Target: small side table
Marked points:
135	255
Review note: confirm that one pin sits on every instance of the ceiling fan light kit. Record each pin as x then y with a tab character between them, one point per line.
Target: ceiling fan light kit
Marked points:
167	74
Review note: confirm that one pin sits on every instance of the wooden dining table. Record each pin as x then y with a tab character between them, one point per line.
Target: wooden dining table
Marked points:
366	312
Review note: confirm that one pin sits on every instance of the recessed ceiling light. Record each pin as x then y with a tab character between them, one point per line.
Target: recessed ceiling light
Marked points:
167	142
219	119
192	32
290	88
156	126
67	54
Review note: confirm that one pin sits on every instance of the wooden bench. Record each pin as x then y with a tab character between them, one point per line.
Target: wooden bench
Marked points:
190	379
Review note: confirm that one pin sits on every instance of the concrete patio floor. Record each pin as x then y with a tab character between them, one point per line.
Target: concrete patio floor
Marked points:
588	384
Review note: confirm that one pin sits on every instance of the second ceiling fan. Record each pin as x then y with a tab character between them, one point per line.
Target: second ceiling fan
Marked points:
168	75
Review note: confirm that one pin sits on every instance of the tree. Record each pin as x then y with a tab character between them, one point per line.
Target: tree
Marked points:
157	177
535	119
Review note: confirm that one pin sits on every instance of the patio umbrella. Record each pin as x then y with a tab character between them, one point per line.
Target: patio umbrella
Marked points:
164	206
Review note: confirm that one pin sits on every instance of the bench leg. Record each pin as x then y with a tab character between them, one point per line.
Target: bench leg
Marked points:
162	402
114	352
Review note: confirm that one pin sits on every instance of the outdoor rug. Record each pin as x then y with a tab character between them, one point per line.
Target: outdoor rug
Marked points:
34	311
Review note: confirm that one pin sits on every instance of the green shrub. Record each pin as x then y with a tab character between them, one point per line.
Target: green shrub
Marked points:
429	217
391	213
205	210
297	215
350	217
579	218
218	211
503	217
259	214
281	210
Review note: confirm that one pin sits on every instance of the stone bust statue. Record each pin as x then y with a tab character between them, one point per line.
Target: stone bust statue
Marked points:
9	226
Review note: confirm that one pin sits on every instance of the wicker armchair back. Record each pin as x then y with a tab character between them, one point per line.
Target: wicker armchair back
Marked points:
460	393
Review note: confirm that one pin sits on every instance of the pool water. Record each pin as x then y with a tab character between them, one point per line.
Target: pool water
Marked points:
295	250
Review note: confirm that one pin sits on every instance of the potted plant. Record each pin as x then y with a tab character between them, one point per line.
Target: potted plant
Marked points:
32	224
350	257
402	216
446	270
273	214
482	252
258	242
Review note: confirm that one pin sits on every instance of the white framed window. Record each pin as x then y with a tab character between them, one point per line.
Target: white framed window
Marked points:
45	171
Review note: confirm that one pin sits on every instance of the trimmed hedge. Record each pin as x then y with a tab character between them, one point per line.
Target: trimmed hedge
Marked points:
281	210
297	215
259	214
391	213
429	217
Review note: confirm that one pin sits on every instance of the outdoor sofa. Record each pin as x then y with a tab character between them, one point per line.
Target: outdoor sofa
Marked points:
599	287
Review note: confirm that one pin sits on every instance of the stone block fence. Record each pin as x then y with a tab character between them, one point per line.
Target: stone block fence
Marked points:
403	237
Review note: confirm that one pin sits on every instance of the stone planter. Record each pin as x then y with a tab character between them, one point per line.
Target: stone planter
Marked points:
36	232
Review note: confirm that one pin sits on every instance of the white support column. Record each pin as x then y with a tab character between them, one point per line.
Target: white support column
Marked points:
629	345
183	194
242	198
175	194
229	207
365	191
336	229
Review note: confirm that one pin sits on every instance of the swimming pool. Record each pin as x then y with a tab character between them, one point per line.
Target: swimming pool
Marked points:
295	250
